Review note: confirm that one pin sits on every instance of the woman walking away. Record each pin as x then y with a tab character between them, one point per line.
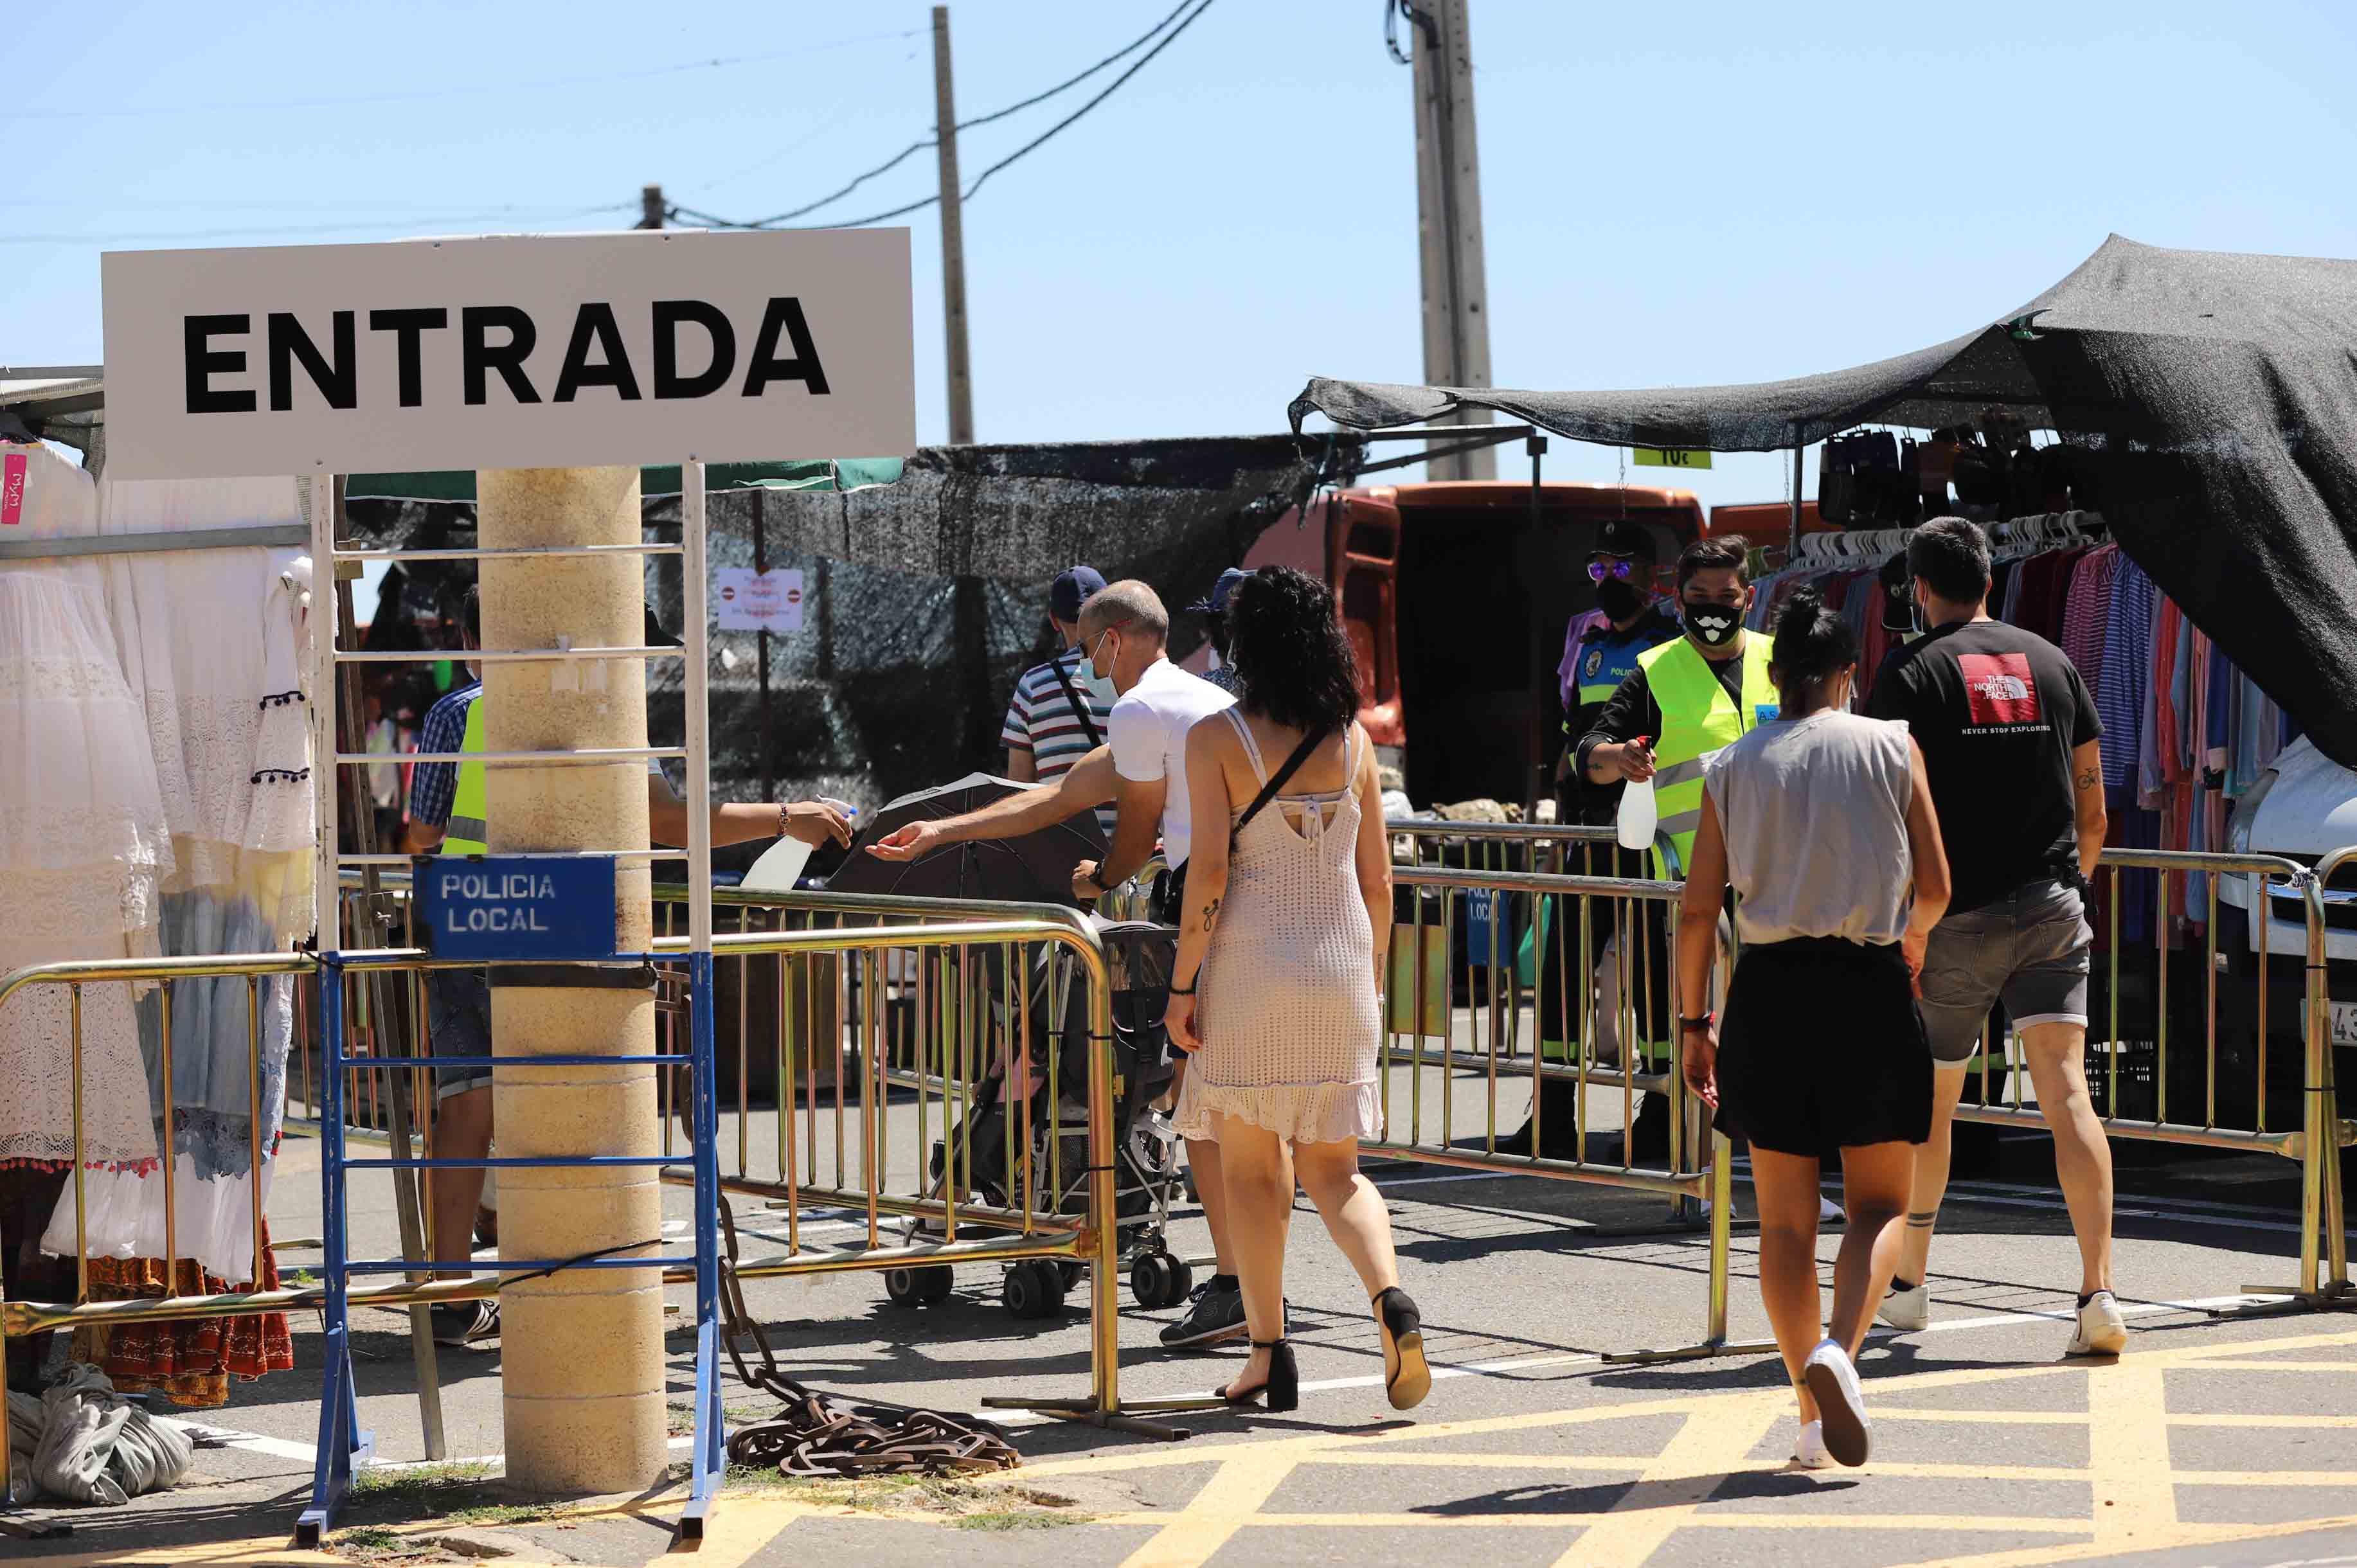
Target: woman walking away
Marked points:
1280	962
1822	823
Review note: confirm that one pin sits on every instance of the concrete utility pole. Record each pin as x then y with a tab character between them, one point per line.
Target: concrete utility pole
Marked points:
1448	219
952	236
582	1349
650	207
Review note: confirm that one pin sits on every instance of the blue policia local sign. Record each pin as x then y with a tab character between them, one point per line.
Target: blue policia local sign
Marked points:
509	908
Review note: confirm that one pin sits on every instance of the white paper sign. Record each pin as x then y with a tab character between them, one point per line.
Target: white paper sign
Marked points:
747	600
513	352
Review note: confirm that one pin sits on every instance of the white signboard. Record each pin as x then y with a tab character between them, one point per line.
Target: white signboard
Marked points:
747	600
516	352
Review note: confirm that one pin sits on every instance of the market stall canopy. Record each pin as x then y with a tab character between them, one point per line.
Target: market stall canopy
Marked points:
2217	393
926	587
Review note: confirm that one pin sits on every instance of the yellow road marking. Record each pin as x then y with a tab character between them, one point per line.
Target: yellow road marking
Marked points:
1985	1417
2127	1446
2325	1422
1227	1500
1696	1462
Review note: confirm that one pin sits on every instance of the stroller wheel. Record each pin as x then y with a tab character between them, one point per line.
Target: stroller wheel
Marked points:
927	1286
1158	1279
1034	1288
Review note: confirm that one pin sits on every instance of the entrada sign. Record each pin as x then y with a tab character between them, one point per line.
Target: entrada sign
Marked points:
544	351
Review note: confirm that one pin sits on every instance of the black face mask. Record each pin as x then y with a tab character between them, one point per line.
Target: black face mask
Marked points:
1618	598
1712	626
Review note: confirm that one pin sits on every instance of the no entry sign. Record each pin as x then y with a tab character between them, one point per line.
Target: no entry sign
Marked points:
515	352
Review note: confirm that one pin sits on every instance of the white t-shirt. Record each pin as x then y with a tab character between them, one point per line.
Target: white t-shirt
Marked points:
1147	733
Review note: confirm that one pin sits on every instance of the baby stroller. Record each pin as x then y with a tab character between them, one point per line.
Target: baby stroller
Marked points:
973	1159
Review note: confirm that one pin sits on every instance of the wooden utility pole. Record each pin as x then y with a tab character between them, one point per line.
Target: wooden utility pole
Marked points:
650	207
1448	220
952	236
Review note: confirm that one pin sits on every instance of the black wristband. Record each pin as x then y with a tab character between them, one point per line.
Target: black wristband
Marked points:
1182	990
1704	1022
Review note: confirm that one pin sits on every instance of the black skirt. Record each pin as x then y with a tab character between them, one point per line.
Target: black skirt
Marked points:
1823	1049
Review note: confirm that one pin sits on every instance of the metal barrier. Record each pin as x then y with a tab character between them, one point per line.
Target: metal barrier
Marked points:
1427	1034
1038	1227
2138	1007
2139	997
17	1318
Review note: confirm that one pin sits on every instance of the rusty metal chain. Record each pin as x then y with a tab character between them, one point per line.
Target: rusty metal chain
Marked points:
813	1435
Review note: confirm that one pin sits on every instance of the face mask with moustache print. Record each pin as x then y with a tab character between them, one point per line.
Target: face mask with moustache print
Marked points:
1712	626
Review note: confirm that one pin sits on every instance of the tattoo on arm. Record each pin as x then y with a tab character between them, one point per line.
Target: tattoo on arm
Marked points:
2088	778
1211	914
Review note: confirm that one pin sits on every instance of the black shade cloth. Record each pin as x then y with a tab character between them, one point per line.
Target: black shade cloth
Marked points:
927	598
2216	394
1033	869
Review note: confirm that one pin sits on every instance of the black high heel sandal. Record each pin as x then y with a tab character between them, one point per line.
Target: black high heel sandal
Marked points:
1282	1392
1407	1376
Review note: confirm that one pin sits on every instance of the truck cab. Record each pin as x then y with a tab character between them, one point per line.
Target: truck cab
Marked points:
1455	595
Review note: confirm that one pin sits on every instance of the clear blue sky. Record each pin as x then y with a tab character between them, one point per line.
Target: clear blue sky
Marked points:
1673	194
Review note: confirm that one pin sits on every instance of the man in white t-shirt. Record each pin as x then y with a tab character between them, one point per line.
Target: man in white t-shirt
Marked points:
1122	629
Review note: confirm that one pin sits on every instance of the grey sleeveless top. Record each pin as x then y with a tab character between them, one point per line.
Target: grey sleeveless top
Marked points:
1814	812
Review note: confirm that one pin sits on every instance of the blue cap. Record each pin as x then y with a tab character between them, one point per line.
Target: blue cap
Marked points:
1221	592
1072	588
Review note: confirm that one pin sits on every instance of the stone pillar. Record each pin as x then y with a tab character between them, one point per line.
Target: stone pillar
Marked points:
582	1351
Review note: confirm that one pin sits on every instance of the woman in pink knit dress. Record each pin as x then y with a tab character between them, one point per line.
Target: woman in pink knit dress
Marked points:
1280	961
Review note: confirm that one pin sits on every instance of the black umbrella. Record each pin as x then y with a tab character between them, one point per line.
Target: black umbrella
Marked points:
1036	868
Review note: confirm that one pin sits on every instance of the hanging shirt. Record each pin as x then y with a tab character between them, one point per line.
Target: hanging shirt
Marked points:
2127	684
1997	712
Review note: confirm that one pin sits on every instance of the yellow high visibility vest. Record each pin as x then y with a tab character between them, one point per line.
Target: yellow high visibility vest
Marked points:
469	830
1698	721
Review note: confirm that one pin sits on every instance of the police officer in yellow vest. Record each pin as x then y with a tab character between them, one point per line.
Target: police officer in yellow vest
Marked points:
449	811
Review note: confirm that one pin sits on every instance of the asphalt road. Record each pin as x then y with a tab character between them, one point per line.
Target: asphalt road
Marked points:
2215	1440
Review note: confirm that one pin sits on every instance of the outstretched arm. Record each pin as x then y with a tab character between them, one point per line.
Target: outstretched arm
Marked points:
1089	784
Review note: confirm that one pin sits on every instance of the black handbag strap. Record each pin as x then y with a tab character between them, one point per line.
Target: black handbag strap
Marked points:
1277	782
1080	707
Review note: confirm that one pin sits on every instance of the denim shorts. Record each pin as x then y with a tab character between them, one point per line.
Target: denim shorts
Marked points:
2029	949
458	1019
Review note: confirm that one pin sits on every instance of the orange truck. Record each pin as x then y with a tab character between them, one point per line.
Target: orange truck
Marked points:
1455	595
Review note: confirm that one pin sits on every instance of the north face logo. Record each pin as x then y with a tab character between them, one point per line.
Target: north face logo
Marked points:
1999	688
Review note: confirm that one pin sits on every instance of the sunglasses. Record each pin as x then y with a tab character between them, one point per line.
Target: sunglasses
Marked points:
1612	566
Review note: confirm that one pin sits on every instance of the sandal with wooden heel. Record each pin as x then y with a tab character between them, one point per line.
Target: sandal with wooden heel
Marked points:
1407	1376
1282	1392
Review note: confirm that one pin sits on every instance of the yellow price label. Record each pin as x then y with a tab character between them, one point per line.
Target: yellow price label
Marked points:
1670	458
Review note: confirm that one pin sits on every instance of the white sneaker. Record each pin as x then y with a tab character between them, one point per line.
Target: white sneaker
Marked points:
1841	1404
1809	1452
1907	1309
2102	1330
1830	1213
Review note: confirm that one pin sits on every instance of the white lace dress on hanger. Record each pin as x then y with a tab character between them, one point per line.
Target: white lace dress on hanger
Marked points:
83	839
212	643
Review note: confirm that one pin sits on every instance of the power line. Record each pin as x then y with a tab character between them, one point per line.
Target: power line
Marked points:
915	147
270	229
427	95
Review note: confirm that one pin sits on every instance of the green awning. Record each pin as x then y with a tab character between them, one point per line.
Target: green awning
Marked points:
816	474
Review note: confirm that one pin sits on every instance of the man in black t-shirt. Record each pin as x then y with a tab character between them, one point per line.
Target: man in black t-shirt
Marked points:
2008	734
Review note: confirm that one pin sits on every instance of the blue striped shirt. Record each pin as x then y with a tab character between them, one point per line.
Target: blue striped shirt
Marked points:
432	785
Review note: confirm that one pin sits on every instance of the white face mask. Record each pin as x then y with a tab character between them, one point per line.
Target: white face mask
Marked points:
1098	680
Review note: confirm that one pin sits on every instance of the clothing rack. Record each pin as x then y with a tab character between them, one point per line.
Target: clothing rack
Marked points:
2048	531
274	534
